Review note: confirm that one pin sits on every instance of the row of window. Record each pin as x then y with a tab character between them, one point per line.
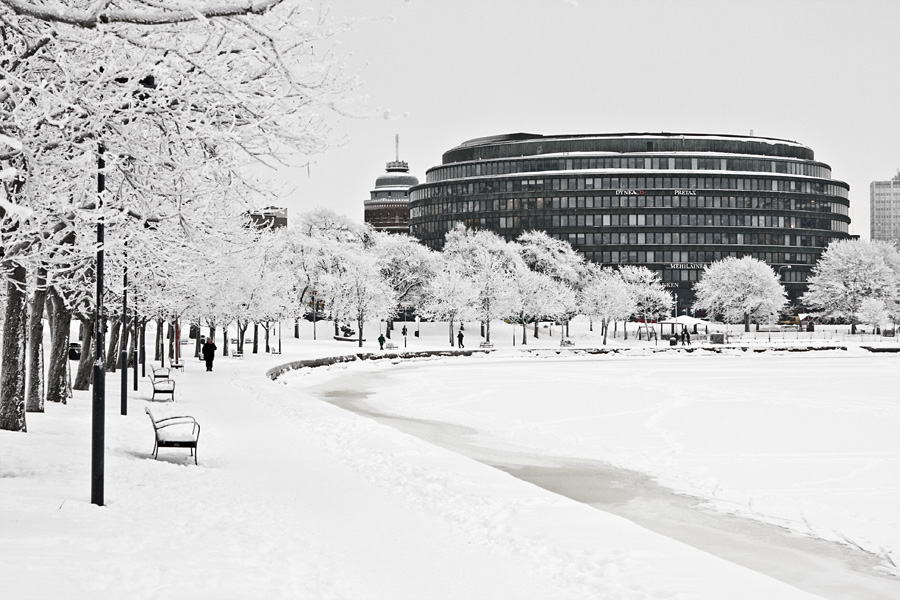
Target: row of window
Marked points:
692	275
670	220
583	240
456	206
656	163
655	259
545	220
436	229
641	185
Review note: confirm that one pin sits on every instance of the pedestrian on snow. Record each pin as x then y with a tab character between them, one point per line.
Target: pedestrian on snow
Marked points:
209	353
381	341
683	331
687	337
459	337
403	331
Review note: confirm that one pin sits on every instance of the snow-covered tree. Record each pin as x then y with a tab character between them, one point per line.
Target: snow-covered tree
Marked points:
849	272
537	292
358	292
490	266
873	311
562	305
449	296
165	104
406	264
651	299
552	257
740	289
606	297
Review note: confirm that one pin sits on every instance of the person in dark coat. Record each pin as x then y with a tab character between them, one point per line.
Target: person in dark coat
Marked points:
209	353
459	337
381	341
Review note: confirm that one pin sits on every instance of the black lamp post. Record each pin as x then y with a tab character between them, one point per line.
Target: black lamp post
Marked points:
123	354
98	404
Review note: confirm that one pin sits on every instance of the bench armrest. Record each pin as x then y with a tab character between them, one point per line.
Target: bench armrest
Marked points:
180	420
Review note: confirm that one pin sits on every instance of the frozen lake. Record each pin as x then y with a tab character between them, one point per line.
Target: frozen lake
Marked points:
786	463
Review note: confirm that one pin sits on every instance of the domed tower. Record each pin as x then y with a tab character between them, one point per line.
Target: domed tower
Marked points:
387	209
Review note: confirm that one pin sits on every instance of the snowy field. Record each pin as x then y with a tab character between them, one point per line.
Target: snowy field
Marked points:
297	498
807	442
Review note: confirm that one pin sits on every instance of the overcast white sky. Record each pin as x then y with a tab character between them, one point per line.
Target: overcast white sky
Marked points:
820	72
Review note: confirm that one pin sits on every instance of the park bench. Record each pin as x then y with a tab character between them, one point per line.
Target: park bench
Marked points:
160	372
177	364
175	432
390	346
163	387
485	345
236	354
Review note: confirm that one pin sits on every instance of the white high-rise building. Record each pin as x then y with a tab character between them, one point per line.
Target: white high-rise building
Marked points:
884	210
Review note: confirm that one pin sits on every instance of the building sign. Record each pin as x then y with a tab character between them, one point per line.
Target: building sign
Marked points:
685	192
687	266
629	192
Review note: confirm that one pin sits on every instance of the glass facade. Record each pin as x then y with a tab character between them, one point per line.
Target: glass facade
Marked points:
670	202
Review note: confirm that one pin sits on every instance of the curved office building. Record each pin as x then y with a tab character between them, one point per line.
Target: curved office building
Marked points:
671	202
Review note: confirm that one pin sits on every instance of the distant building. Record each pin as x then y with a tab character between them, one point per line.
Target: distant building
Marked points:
270	217
884	210
387	209
671	202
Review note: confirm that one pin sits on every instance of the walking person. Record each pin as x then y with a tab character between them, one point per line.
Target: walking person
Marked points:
381	341
687	337
209	353
459	337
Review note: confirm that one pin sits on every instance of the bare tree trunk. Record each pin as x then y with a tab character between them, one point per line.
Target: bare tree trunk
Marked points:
112	357
170	331
256	336
15	334
225	341
157	350
57	367
197	345
359	326
124	339
35	391
242	333
86	363
536	323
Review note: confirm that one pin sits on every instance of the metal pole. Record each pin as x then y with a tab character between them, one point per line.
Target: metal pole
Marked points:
98	405
123	355
134	352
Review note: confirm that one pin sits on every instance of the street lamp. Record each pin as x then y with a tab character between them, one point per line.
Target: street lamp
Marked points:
98	395
780	268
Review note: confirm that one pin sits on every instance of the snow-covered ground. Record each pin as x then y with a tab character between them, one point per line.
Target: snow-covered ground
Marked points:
297	498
